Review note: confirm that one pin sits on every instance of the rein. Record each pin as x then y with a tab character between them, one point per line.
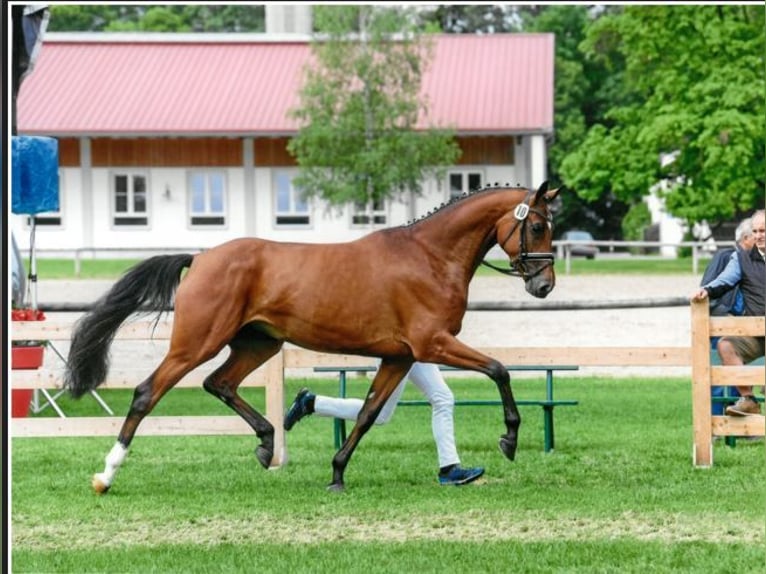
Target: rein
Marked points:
518	266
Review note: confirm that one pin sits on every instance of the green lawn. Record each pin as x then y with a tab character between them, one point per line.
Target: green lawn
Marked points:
619	493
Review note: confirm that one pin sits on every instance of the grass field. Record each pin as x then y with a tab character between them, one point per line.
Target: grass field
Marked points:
112	268
619	494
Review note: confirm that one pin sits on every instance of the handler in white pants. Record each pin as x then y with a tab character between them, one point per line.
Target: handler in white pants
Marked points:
427	378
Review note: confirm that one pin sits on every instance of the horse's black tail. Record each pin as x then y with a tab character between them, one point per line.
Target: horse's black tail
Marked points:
147	287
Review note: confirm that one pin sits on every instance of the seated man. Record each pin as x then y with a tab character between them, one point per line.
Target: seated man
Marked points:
746	270
731	302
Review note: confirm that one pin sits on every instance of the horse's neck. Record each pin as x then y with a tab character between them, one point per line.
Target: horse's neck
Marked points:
464	232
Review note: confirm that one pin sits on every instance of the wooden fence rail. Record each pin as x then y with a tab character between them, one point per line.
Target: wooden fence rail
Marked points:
271	378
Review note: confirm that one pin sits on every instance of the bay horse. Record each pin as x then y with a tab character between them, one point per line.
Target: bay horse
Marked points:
397	294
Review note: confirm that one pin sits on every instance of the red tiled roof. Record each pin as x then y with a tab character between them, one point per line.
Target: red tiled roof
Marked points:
194	85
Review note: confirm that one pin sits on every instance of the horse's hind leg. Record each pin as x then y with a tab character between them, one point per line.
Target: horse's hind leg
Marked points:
145	397
388	377
246	356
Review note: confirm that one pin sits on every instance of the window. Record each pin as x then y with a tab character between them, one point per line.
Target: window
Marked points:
461	182
50	219
131	200
290	206
360	216
207	198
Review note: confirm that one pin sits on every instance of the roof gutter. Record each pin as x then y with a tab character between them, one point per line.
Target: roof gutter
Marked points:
174	38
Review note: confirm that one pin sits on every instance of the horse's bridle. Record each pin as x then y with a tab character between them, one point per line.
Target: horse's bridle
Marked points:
518	266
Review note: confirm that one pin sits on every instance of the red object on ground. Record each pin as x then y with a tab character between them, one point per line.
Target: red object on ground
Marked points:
27	315
29	356
24	357
20	401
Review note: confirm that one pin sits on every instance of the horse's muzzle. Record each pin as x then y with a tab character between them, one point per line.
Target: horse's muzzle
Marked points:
539	286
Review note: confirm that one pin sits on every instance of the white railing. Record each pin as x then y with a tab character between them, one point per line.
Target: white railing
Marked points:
563	251
82	253
564	248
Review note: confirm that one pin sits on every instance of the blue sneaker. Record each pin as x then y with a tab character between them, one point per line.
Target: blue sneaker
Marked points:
301	407
458	475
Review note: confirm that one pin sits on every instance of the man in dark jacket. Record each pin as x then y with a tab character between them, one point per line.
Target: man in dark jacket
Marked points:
730	303
746	270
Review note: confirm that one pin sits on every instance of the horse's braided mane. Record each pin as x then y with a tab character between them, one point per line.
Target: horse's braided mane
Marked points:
458	199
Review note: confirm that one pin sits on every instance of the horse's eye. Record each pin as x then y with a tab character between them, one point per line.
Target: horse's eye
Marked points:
538	228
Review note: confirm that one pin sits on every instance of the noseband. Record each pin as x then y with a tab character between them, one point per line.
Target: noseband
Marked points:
518	266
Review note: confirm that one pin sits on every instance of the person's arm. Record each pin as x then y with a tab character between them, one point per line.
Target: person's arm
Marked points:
727	279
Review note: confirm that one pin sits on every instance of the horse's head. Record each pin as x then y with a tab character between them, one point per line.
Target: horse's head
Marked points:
526	235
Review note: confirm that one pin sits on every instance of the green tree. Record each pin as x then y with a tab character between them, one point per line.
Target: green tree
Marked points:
359	109
584	91
472	18
156	18
634	224
693	87
151	19
82	18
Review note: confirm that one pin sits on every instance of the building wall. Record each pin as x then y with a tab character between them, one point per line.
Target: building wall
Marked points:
86	191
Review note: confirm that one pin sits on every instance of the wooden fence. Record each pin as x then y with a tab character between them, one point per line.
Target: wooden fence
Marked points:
705	375
271	377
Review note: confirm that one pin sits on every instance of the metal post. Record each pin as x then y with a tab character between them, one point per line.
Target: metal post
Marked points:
695	259
340	424
548	411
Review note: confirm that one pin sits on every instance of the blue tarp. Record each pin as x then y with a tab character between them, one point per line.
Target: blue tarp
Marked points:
35	175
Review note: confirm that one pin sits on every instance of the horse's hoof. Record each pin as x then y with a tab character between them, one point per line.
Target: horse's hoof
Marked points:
99	486
336	487
508	447
264	456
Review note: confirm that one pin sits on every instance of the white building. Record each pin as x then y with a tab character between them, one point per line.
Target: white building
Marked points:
179	141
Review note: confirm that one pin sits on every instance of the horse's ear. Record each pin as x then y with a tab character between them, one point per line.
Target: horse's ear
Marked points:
543	194
551	195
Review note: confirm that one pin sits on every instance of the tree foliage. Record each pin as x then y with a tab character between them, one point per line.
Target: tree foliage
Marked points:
584	90
360	106
472	18
694	92
156	18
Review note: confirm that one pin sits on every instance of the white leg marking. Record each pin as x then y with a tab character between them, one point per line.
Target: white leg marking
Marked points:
113	461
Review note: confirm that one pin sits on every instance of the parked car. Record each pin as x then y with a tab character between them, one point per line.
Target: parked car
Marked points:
584	249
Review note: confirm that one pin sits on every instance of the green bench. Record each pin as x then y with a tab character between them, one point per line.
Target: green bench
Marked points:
547	404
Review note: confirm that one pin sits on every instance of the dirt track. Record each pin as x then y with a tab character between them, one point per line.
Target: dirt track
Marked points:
658	326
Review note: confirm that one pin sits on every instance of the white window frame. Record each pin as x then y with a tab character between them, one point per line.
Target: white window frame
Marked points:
142	219
360	219
208	217
298	211
466	181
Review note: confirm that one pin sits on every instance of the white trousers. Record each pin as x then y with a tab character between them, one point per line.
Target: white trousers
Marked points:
427	378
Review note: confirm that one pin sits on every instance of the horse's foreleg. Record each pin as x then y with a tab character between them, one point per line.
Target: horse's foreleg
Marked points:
145	397
225	380
387	378
447	350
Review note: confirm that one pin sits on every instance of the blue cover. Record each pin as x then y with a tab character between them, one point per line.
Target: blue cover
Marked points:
35	174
